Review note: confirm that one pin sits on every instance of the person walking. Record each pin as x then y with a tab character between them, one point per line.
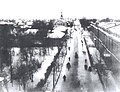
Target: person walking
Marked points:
86	64
82	42
68	66
64	78
69	48
69	58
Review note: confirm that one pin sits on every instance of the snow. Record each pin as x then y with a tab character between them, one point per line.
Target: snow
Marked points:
64	60
37	76
33	31
40	72
112	27
70	44
115	30
1	79
85	34
107	24
108	80
76	22
109	35
45	60
89	42
91	46
87	79
36	51
9	23
57	32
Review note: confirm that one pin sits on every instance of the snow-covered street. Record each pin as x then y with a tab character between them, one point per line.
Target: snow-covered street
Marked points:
71	63
78	79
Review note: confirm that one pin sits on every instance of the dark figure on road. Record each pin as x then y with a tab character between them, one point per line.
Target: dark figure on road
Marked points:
81	41
64	78
68	66
68	48
86	67
76	55
69	58
86	64
90	69
85	61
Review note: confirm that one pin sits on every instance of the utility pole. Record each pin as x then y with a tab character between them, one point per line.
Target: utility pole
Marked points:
98	39
11	66
53	78
0	59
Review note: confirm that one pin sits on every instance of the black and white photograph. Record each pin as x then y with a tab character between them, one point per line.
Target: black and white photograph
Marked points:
59	45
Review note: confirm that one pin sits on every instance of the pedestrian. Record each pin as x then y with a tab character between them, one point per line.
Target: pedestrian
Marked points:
68	48
86	64
86	67
81	41
69	58
64	78
76	55
90	69
68	66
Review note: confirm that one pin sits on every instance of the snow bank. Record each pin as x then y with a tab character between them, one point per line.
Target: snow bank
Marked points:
47	62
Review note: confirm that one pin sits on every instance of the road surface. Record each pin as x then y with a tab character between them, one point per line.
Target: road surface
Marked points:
78	79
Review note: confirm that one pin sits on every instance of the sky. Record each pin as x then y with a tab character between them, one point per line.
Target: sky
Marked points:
49	9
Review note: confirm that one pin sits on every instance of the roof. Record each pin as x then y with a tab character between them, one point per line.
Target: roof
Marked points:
57	32
31	30
8	23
